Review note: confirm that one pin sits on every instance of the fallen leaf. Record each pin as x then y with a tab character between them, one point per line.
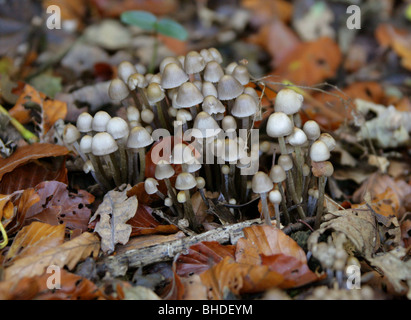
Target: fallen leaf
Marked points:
158	7
201	256
68	254
34	239
115	210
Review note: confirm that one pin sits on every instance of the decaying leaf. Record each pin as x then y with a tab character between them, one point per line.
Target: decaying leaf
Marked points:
68	254
114	212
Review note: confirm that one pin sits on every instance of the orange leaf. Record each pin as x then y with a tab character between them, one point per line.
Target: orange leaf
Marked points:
202	256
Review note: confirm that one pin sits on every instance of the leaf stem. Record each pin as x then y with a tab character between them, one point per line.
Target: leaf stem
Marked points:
26	134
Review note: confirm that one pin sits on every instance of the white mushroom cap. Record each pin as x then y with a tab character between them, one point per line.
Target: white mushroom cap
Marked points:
85	144
118	90
216	55
328	140
167	61
209	89
164	170
194	166
288	101
133	114
181	197
84	122
230	68
212	105
251	91
312	130
125	70
213	72
138	138
279	125
244	106
286	162
229	124
184	115
182	153
137	80
194	62
205	126
173	76
185	181
206	54
154	93
200	182
118	128
319	151
277	174
103	144
188	95
150	185
297	137
240	72
71	134
261	183
233	150
229	88
100	120
156	78
147	116
274	196
88	166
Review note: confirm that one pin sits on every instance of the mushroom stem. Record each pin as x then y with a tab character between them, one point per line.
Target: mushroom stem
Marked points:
189	212
320	203
283	204
161	115
142	157
300	161
193	111
173	197
123	161
283	148
114	169
78	150
294	197
95	161
277	215
266	212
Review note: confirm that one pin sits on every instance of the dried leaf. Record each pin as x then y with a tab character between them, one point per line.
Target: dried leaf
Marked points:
34	239
202	256
68	254
115	210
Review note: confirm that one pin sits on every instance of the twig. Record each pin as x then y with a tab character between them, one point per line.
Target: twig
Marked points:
26	134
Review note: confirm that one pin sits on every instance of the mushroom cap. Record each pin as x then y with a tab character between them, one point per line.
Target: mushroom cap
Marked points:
240	72
277	174
173	76
182	153
125	70
150	185
154	93
188	95
323	168
229	88
209	89
230	68
71	134
164	170
200	182
137	80
233	150
261	183
88	166
206	54
156	78
185	181
244	106
85	143
328	140
100	120
84	122
312	130
319	151
297	137
168	60
103	144
118	90
216	55
118	128
274	196
194	166
251	91
205	126
181	197
184	115
229	123
194	62
213	72
212	105
288	101
133	114
279	125
286	162
147	116
138	138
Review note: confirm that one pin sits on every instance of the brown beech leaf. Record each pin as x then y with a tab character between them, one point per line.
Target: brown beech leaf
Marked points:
67	254
406	233
158	7
34	239
267	240
144	223
59	205
311	62
72	287
202	256
295	272
175	289
28	153
31	174
230	276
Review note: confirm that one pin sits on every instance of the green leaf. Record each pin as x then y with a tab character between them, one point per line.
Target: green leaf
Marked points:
172	29
144	20
47	83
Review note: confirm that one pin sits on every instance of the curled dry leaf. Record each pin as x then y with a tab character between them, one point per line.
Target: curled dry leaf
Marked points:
28	153
67	254
114	212
201	256
34	239
59	205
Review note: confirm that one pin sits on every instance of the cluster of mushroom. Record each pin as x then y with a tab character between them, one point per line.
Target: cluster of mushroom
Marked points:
303	153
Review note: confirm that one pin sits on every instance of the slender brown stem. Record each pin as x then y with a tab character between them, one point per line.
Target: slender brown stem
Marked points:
320	203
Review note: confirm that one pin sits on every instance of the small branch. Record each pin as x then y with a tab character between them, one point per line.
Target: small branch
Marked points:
26	134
